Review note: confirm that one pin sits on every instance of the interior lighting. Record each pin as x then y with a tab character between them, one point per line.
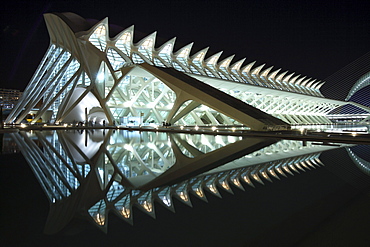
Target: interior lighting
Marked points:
147	206
183	196
128	104
23	125
151	104
166	201
236	182
128	147
196	127
214	128
225	185
99	218
199	192
100	76
203	108
154	125
125	212
151	145
213	189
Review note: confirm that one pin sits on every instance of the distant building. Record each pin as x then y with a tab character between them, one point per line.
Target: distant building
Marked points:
9	97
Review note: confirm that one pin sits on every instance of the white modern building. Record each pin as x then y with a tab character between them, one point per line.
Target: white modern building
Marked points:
88	76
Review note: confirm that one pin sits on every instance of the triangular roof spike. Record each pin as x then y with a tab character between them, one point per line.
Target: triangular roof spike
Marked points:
320	85
299	80
281	75
166	201
286	78
129	30
265	72
150	45
273	74
303	84
310	83
236	66
171	42
124	212
226	62
256	70
213	189
248	67
200	55
102	22
315	84
212	60
184	51
294	79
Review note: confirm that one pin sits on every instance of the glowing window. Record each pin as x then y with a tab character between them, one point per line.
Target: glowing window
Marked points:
178	67
146	48
98	38
159	63
124	43
194	70
137	59
165	53
197	61
223	76
183	56
213	60
115	59
209	73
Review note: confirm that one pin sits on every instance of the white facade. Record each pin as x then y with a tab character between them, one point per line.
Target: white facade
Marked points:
87	76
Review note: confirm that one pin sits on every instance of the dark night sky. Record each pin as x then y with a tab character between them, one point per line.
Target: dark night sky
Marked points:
312	38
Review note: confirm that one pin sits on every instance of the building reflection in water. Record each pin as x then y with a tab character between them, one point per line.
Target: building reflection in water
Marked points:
360	155
92	173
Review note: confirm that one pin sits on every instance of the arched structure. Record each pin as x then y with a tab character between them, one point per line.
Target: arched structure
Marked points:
361	163
363	82
128	80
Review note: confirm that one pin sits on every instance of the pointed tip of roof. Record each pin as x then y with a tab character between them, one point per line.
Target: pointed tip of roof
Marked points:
218	54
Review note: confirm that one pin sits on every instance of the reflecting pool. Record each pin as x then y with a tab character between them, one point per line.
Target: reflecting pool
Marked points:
95	175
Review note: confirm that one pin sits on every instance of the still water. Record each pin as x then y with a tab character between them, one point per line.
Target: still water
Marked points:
123	187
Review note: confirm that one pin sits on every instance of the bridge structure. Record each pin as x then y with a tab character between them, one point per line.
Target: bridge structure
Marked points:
87	76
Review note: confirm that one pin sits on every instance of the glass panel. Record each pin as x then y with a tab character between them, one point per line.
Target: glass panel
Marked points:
98	38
